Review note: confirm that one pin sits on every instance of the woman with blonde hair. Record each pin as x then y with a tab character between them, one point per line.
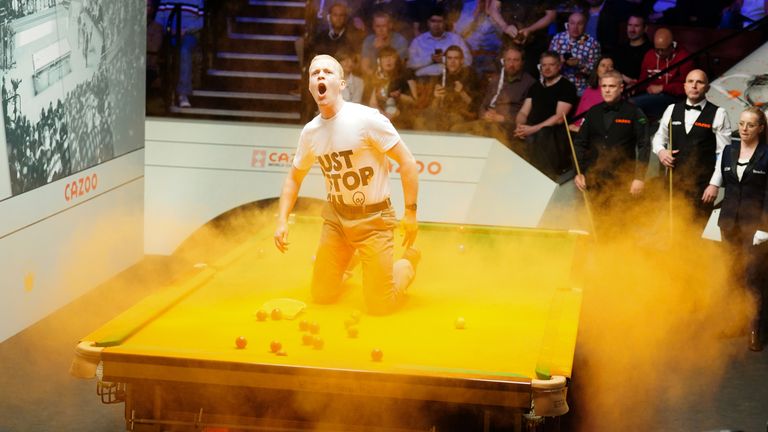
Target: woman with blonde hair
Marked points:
743	173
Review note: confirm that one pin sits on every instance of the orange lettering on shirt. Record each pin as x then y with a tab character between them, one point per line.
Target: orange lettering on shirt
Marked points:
623	121
704	125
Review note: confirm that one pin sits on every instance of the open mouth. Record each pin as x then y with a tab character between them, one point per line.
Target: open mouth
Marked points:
321	88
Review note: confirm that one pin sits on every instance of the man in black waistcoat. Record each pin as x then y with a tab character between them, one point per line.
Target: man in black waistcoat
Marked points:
612	148
700	131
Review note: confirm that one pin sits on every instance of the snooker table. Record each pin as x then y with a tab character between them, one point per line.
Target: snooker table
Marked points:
173	361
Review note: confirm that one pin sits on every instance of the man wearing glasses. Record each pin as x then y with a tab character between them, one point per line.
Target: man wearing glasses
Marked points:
666	88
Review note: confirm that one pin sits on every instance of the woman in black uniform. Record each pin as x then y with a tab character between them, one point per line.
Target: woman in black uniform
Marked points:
744	211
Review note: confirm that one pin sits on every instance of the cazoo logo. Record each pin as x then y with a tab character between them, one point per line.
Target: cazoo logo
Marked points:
261	158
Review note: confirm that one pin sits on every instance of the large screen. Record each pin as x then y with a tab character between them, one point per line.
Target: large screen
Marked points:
71	82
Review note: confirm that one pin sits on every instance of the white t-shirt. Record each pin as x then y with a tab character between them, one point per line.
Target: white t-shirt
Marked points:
350	148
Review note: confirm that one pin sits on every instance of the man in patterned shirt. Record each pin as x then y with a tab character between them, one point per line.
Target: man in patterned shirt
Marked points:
579	51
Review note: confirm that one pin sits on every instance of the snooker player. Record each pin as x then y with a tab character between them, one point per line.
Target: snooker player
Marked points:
351	142
612	148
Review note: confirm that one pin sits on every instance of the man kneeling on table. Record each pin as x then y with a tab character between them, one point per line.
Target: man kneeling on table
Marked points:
351	142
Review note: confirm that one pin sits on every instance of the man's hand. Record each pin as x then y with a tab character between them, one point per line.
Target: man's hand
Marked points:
511	30
410	226
636	188
439	91
581	182
666	158
710	194
492	116
524	131
458	86
281	236
655	88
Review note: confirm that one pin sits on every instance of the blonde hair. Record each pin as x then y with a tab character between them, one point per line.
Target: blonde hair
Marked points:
339	69
761	120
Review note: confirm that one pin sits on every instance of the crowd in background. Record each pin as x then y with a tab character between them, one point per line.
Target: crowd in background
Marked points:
470	66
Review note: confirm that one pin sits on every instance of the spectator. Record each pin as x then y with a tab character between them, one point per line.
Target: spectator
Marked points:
393	89
382	36
699	132
603	22
753	10
540	119
425	55
338	35
455	94
192	20
612	148
742	13
666	88
396	9
525	22
420	10
353	91
503	99
743	214
592	95
476	28
629	55
578	51
154	43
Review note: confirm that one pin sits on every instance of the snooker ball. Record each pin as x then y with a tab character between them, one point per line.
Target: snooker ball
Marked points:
303	325
352	331
377	354
275	346
306	339
241	342
261	315
318	342
460	323
277	314
314	327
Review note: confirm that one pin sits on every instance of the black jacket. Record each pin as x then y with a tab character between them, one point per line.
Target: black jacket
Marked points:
746	201
612	140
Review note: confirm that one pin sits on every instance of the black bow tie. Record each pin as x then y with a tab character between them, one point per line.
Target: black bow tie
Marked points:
614	107
692	107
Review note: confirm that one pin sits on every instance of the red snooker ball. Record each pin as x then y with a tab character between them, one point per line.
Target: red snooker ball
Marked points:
261	315
317	342
306	339
303	325
377	354
314	327
275	346
352	331
277	314
241	342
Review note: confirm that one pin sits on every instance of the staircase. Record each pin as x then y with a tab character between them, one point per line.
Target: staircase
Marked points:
255	71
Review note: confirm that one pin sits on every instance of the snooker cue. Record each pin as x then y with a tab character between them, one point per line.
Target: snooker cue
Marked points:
587	205
669	170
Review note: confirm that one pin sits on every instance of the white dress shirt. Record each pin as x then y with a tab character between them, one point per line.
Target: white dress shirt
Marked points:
721	127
